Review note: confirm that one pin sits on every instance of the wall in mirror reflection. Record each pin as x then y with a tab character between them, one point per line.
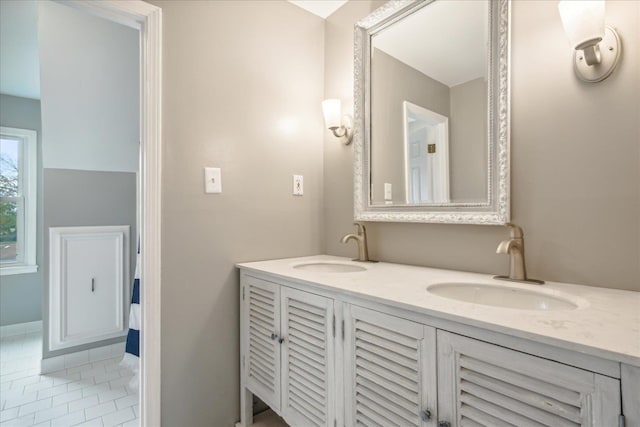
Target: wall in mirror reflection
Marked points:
429	132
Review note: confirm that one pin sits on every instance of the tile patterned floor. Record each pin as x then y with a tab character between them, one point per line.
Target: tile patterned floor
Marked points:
94	395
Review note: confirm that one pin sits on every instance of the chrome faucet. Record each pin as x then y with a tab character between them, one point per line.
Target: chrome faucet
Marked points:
514	247
360	236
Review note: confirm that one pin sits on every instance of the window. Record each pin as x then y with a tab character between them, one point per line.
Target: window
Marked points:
18	172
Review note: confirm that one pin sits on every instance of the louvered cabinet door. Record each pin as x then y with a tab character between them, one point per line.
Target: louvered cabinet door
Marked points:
481	384
308	395
389	370
262	347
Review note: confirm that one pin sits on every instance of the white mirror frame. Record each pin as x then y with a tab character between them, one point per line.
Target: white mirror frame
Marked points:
497	208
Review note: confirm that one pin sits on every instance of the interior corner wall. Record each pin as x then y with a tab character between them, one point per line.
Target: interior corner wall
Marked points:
337	174
242	90
468	149
575	160
393	82
21	294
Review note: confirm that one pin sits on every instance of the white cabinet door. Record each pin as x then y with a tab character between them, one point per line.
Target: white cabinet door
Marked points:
308	395
390	370
630	377
89	286
262	334
481	384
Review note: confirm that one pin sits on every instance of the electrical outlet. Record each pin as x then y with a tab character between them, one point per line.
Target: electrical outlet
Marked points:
388	195
298	185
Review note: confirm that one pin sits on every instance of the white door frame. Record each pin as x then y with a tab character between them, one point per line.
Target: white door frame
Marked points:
147	19
439	170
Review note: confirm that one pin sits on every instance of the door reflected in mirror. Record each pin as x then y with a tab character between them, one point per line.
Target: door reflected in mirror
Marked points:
426	145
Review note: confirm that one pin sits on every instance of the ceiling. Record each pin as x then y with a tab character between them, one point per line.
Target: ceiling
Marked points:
452	57
446	40
322	8
19	60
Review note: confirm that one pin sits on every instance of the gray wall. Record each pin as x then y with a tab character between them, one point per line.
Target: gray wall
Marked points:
395	82
21	294
82	198
575	161
468	143
465	104
89	75
235	72
90	90
338	158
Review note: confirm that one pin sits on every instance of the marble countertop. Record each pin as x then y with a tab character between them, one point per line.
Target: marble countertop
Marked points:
606	324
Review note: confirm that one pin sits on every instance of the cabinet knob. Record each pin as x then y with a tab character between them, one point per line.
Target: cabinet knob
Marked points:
274	336
444	424
425	415
281	340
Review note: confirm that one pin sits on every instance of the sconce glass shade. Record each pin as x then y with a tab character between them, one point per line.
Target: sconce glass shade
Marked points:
583	21
341	126
332	113
597	47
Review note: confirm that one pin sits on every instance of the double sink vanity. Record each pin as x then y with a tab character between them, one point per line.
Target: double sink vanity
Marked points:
327	341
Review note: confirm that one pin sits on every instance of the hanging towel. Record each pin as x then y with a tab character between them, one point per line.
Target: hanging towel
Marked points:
131	359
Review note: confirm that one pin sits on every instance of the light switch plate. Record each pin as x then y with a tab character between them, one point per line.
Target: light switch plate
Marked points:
212	180
298	185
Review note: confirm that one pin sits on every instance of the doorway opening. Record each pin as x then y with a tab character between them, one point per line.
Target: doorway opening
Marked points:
71	345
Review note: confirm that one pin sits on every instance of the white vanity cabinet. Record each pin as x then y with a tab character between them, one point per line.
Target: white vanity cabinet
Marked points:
485	384
322	357
390	370
288	351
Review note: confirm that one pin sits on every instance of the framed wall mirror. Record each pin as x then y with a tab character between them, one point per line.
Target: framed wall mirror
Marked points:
432	112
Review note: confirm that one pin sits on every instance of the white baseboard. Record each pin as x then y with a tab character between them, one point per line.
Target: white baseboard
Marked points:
57	363
83	357
21	329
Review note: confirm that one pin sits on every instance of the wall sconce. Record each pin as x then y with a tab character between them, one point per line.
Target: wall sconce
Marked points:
597	46
341	126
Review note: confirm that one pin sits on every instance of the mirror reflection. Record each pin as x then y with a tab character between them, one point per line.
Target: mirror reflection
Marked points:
429	107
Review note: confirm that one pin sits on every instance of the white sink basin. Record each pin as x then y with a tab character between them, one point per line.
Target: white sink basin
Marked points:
329	267
506	296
